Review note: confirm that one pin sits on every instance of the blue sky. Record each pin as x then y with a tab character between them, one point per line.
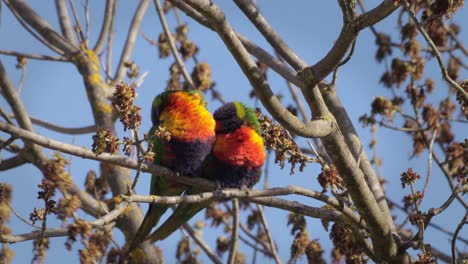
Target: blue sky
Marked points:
54	91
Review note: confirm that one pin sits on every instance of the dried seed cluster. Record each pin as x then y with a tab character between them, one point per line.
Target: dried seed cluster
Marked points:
105	141
409	177
329	177
346	244
302	245
277	139
123	99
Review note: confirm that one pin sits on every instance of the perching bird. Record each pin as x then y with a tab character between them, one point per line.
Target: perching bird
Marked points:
192	135
235	162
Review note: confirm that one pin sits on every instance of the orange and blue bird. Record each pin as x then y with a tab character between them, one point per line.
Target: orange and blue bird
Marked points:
235	162
192	134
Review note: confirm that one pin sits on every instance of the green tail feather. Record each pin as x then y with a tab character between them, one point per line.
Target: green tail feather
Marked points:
181	215
159	186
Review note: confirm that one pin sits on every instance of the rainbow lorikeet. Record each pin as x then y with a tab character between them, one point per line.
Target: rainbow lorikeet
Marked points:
192	135
235	161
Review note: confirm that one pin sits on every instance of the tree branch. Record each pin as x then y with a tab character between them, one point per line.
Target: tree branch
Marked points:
130	40
32	56
172	44
463	222
280	46
42	27
78	27
436	52
271	242
61	129
235	232
65	21
375	15
275	64
316	128
60	232
106	25
354	180
13	162
352	140
203	183
202	244
13	99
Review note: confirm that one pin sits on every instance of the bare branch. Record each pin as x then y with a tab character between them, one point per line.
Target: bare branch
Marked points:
78	27
271	242
164	172
60	129
463	222
10	163
172	44
60	232
65	21
11	147
130	40
32	56
316	128
457	40
235	232
110	43
106	25
429	166
280	46
17	106
275	64
202	244
31	30
436	52
87	22
372	17
42	27
352	140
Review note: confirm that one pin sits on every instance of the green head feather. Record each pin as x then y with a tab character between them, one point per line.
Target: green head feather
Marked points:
232	116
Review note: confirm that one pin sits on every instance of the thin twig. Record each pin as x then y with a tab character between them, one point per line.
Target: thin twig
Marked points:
106	25
130	40
272	248
172	45
202	244
423	32
87	19
433	225
22	79
455	234
7	117
456	39
65	21
78	27
32	56
254	247
375	157
254	238
235	231
24	220
30	30
275	40
110	42
60	232
343	62
61	129
429	166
